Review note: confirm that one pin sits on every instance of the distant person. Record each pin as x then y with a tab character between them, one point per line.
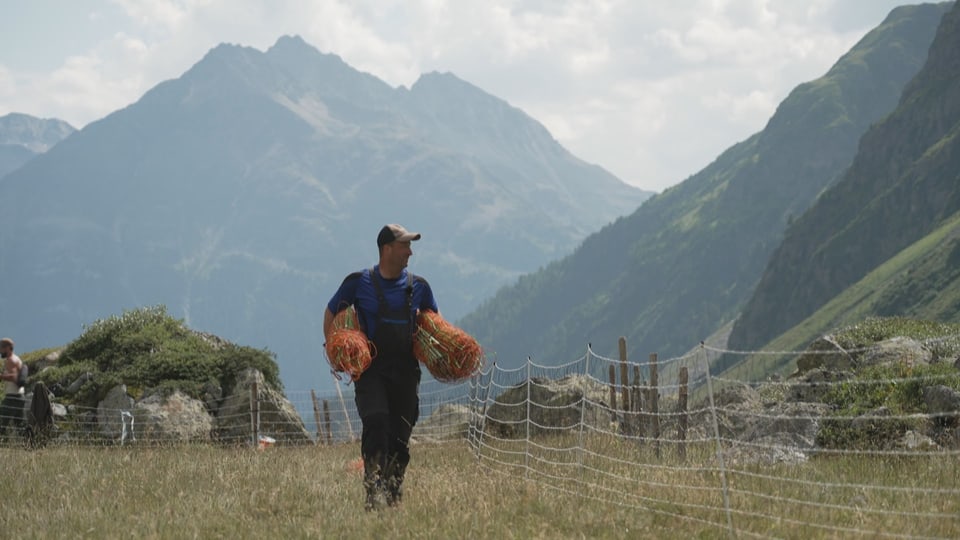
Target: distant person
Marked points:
387	298
11	409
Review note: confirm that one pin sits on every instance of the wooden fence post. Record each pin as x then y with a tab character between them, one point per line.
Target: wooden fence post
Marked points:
316	416
255	412
613	390
624	382
655	403
346	415
327	427
638	400
682	409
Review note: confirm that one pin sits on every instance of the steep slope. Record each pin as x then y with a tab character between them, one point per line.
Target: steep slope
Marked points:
902	185
679	267
921	282
23	136
241	193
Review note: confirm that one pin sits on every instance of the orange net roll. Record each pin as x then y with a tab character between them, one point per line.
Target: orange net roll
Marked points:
348	349
449	353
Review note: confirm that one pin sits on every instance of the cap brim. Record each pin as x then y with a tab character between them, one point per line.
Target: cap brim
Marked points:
409	237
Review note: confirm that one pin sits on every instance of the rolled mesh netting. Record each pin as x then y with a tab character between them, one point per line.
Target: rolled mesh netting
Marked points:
449	353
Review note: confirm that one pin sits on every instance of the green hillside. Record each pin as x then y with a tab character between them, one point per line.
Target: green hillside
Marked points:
901	187
680	267
920	282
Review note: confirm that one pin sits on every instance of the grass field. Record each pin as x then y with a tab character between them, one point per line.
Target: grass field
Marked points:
309	492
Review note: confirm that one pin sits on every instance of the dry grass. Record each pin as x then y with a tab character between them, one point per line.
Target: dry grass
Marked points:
207	492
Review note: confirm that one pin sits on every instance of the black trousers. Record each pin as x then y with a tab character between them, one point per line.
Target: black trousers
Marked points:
11	412
389	406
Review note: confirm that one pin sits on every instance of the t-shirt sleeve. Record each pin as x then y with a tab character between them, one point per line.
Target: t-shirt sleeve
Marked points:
346	295
427	301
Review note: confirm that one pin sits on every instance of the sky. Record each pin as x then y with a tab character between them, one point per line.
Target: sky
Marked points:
651	90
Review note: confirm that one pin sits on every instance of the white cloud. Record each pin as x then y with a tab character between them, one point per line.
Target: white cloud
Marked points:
650	90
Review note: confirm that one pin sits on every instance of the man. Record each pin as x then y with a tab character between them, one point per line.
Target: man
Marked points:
11	409
387	298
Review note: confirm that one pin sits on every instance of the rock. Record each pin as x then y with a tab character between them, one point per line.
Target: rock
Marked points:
824	353
736	395
111	409
176	418
212	396
769	450
278	418
59	411
78	383
448	421
896	350
554	406
942	400
48	360
912	440
815	384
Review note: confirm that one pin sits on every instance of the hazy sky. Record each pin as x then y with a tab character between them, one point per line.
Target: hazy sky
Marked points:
651	90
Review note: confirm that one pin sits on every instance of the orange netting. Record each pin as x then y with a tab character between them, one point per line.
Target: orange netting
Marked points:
348	349
449	353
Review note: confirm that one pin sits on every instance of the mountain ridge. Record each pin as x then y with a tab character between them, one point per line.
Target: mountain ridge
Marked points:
239	194
679	267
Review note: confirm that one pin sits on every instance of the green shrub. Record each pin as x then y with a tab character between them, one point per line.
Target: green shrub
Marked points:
147	349
897	387
943	339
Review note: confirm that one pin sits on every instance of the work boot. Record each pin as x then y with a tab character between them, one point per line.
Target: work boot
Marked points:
394	491
373	485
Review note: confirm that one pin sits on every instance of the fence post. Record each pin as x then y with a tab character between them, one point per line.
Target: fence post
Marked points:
655	403
343	405
316	416
583	408
612	371
638	400
526	453
255	412
682	409
327	426
716	433
624	375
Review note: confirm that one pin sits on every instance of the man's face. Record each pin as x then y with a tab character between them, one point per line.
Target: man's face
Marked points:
398	253
5	351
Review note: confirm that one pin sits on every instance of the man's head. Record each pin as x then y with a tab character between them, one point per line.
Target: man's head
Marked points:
394	245
394	233
6	347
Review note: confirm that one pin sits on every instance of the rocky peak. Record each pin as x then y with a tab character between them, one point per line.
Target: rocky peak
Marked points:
36	134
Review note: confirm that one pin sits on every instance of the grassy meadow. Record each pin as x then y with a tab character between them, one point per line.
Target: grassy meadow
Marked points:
311	492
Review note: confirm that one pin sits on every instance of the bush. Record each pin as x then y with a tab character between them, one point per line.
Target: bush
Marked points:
147	349
896	388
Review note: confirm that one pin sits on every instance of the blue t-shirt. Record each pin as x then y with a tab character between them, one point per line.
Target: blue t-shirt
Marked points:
357	290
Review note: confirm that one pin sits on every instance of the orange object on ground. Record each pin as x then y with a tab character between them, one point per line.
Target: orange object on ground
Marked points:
355	465
348	349
449	353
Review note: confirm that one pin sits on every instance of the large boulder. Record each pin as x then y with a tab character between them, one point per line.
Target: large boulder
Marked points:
898	350
942	401
554	406
113	412
175	418
278	418
448	421
824	353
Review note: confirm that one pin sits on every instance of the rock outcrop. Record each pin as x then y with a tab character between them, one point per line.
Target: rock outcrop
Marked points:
278	418
175	418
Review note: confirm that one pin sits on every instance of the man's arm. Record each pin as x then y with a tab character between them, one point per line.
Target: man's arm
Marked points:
327	324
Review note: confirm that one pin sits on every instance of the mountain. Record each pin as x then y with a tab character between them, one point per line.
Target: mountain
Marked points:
241	193
901	189
682	265
22	137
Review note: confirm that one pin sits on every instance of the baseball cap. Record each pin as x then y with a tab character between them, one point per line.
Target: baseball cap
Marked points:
394	233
